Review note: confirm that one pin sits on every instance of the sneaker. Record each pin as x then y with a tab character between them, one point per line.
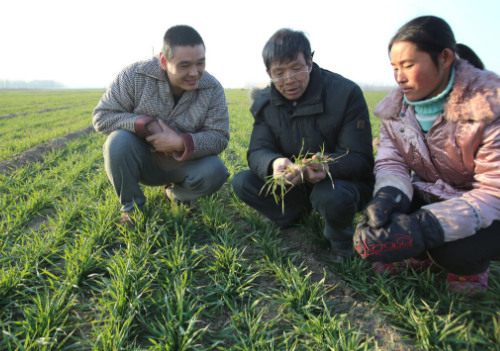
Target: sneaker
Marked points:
175	201
468	285
125	220
341	255
399	267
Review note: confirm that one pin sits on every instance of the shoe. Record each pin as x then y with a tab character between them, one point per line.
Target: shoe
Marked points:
468	285
399	267
175	201
167	190
338	255
125	220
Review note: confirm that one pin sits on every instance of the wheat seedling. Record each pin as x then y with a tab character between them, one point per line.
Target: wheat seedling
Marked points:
300	163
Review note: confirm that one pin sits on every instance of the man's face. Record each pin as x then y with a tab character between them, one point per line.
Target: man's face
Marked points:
293	88
186	68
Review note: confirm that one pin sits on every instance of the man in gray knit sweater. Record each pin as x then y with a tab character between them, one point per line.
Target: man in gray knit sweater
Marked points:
167	121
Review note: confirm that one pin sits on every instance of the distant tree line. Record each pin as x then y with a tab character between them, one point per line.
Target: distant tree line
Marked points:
376	87
34	84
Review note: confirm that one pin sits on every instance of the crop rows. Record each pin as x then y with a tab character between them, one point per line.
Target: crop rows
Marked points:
22	132
220	278
20	98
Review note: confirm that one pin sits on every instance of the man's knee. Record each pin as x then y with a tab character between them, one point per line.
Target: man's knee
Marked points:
209	177
337	204
119	143
217	173
242	184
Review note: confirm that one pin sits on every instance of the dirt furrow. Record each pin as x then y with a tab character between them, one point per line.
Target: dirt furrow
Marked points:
40	111
36	153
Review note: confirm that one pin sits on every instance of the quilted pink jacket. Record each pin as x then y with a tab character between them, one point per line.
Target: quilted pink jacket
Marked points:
456	168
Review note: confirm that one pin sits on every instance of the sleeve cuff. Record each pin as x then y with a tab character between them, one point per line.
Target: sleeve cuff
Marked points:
458	218
188	148
140	126
397	181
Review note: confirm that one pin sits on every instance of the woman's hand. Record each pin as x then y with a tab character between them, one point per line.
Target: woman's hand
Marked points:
403	237
387	201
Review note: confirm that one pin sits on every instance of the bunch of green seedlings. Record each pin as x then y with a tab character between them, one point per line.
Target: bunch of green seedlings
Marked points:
279	182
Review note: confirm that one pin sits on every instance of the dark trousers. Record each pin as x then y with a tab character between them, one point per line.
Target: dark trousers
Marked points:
338	204
468	256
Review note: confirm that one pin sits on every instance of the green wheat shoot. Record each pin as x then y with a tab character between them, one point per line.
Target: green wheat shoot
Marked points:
277	184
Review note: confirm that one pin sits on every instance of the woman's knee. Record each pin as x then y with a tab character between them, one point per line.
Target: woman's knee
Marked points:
454	259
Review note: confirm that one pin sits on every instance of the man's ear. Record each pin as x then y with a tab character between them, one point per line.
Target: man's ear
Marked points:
269	74
311	61
163	61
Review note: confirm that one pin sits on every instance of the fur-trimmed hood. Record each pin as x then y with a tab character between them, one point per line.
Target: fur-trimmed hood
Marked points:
475	97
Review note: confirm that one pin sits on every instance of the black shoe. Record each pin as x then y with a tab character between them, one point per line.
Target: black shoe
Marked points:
341	255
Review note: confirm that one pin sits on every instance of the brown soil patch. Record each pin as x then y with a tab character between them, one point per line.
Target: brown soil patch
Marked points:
36	153
41	111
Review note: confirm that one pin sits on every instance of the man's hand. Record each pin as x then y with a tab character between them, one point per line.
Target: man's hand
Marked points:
282	165
314	172
154	127
166	141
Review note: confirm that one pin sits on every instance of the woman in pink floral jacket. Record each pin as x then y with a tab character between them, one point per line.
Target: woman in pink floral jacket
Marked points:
437	193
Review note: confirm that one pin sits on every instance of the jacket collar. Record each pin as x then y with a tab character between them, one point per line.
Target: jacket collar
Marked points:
475	97
309	103
152	68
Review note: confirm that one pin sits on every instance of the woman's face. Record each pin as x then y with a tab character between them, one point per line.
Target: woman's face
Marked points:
416	73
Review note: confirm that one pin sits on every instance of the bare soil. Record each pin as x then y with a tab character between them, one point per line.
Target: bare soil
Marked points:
41	111
36	153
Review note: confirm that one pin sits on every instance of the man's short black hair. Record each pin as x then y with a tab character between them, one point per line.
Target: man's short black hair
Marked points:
285	45
180	35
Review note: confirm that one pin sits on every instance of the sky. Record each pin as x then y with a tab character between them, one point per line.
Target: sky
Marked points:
86	43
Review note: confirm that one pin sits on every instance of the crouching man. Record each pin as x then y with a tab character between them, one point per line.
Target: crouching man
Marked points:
308	108
167	121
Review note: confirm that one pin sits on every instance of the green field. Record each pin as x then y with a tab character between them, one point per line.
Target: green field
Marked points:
220	278
42	115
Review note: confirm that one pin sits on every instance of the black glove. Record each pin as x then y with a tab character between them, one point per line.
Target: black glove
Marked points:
405	236
387	201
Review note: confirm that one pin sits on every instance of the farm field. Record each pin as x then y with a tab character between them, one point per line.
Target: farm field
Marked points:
31	118
217	279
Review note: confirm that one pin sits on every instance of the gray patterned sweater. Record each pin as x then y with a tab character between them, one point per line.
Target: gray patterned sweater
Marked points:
142	89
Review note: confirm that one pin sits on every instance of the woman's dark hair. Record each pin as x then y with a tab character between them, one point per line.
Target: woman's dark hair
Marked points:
285	45
468	54
432	35
180	35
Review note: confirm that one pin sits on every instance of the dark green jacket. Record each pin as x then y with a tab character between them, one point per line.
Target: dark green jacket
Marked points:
331	113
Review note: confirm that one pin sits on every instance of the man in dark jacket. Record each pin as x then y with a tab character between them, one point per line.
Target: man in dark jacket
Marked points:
310	109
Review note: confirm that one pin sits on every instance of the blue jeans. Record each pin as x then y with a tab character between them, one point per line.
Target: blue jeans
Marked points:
129	161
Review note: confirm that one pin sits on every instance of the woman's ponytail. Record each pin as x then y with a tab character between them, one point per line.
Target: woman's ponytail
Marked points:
466	53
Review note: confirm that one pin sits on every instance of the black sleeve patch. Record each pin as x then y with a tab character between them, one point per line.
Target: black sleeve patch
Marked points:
361	125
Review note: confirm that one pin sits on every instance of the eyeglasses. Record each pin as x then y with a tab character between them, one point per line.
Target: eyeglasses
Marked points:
296	77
